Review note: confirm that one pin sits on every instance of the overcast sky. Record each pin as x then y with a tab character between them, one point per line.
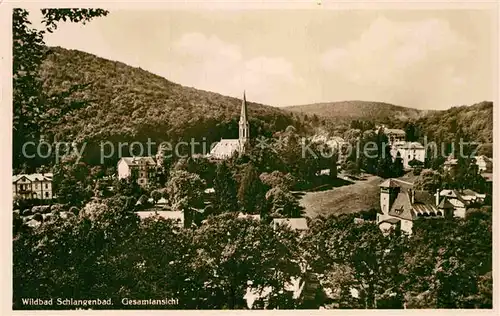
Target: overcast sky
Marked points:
422	59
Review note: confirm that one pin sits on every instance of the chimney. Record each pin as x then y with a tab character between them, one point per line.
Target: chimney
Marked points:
437	197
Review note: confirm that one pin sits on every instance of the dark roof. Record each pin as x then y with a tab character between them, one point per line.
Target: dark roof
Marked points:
445	204
424	197
396	183
402	207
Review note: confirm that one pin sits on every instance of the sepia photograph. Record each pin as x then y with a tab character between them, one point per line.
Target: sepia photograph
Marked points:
252	157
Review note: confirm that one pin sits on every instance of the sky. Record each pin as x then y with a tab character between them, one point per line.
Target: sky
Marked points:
416	58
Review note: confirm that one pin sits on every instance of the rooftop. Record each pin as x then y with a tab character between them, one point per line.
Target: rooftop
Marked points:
395	183
225	148
293	223
135	161
411	145
33	177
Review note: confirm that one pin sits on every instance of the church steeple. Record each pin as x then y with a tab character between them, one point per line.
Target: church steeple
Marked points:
244	130
243	115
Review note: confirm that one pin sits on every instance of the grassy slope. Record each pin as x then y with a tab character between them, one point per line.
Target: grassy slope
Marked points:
360	196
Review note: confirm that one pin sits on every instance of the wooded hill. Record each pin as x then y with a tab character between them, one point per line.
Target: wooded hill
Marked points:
474	122
359	110
124	103
127	104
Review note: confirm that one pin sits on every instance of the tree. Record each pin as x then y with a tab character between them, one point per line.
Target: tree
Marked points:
448	262
33	109
185	191
156	195
353	256
235	255
225	187
398	167
414	163
251	192
72	183
411	132
429	180
278	179
352	168
283	203
385	167
82	257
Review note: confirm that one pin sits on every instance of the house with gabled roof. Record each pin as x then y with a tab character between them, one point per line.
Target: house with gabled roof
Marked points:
401	205
143	169
460	199
32	186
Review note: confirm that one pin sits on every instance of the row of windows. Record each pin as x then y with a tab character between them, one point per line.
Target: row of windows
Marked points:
36	196
27	186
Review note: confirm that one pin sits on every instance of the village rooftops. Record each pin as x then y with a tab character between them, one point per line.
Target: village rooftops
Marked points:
176	216
410	204
136	161
33	177
255	217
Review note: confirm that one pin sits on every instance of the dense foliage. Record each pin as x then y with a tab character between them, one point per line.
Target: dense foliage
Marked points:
444	264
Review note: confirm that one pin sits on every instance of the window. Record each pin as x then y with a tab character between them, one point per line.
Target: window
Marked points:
141	181
46	185
46	194
409	156
36	185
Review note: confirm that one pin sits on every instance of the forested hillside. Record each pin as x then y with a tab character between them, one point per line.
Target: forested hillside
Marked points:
474	123
379	112
123	103
120	103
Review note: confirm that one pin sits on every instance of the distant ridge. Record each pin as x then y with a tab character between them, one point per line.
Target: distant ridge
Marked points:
359	110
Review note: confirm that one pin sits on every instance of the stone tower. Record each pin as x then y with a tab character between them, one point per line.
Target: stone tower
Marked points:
389	190
244	130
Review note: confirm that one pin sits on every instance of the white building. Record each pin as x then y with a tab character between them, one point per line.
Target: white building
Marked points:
485	164
144	169
299	224
226	148
460	199
32	186
394	135
408	151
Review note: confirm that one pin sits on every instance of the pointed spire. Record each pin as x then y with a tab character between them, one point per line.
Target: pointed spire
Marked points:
243	115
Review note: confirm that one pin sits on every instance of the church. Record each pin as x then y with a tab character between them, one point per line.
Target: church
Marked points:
226	148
